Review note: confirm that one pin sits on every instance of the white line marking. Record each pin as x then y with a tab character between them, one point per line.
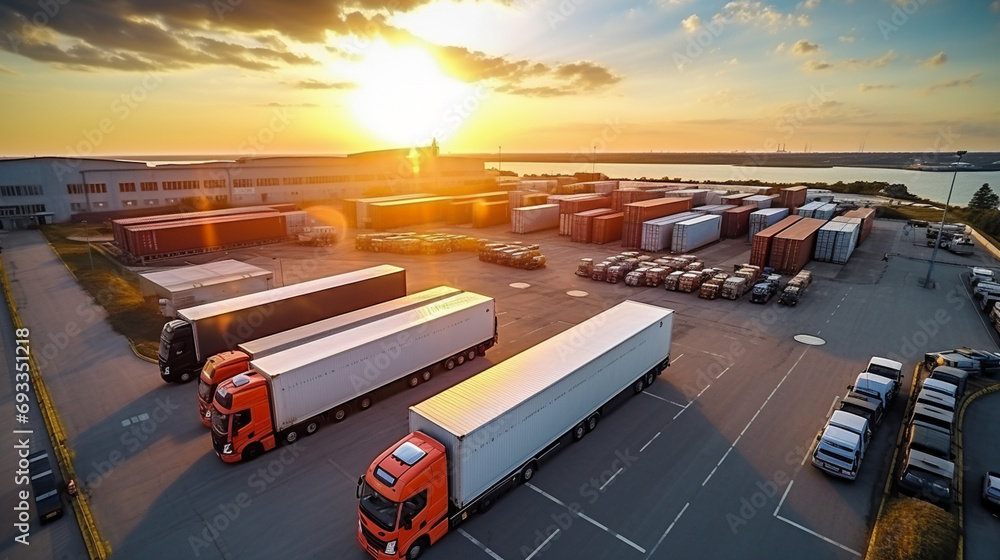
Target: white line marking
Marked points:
672	360
702	391
808	453
709	477
643	448
815	534
492	554
714	354
618	472
679	412
665	533
723	372
835	399
724	456
574	511
541	546
783	496
663	399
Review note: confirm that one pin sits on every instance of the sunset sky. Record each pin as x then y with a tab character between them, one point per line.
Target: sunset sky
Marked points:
254	77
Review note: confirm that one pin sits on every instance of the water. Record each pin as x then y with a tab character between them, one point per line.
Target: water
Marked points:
925	184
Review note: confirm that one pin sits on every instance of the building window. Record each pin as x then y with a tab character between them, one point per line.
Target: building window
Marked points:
215	183
293	180
126	187
268	182
75	188
76	206
20	190
128	203
148	186
179	185
242	183
97	188
152	202
220	198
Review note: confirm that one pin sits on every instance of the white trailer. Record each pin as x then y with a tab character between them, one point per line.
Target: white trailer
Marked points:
497	423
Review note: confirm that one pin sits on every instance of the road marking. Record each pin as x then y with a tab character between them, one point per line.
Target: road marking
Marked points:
663	399
783	496
707	478
835	399
492	554
677	358
665	533
808	453
643	448
618	472
723	372
702	391
541	546
580	514
135	419
815	534
679	412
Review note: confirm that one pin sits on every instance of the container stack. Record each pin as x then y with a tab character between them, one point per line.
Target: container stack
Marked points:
638	212
534	218
736	221
826	238
362	210
867	217
460	209
695	233
583	224
658	234
401	213
735	199
759	200
699	197
763	219
847	240
792	197
621	197
607	228
825	212
486	214
177	238
716	209
807	210
792	248
119	226
760	250
568	208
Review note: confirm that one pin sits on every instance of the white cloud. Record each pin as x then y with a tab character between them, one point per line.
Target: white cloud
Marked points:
780	48
749	12
851	63
870	87
691	23
811	5
850	38
733	61
803	46
937	60
817	65
954	83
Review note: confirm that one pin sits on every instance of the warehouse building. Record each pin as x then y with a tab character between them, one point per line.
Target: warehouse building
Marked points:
42	190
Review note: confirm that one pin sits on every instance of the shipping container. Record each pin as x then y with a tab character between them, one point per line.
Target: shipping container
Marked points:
807	210
736	221
716	209
699	197
760	250
847	240
867	216
118	225
621	197
187	286
765	218
735	199
179	238
759	200
695	233
607	228
567	208
534	218
825	212
638	212
362	206
826	238
402	213
658	234
583	224
792	248
486	214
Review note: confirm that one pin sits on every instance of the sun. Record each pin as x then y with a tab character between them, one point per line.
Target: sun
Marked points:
404	97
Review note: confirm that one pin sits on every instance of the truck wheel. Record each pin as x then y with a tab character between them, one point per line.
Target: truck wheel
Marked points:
449	364
339	414
528	472
365	402
470	354
291	436
460	359
481	349
311	427
650	378
252	451
426	375
185	377
592	421
416	549
579	431
413	381
638	386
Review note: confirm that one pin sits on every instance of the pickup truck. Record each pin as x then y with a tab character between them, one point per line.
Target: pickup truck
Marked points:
976	362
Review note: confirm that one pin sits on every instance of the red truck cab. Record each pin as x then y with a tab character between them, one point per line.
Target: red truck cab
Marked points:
403	507
241	418
218	368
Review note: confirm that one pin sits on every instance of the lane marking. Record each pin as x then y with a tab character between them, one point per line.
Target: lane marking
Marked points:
677	358
783	496
702	391
830	412
665	533
709	477
815	534
580	514
723	372
643	448
618	472
541	546
663	399
491	554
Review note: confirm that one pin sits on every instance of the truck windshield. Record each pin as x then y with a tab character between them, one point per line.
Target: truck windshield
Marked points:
220	422
205	390
164	346
886	372
379	509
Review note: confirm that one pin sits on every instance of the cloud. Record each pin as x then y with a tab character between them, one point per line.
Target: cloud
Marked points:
780	48
937	60
850	38
995	6
851	63
804	47
691	23
318	84
5	70
809	5
954	83
872	87
757	14
817	65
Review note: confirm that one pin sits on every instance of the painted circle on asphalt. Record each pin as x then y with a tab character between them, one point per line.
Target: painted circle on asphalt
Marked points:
809	339
577	293
520	285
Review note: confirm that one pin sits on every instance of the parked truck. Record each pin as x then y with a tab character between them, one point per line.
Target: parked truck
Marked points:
485	435
226	365
205	330
291	393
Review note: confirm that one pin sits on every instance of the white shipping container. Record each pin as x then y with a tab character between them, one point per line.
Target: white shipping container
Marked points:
759	200
698	196
492	423
658	233
716	209
310	379
826	238
847	238
696	232
534	218
825	212
807	210
767	217
193	285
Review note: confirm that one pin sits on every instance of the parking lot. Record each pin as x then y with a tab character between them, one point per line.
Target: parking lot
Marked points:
711	461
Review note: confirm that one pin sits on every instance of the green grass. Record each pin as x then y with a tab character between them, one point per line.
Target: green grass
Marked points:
111	286
914	530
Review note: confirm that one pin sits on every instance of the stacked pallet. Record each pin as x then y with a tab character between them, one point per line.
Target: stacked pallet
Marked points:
760	250
638	212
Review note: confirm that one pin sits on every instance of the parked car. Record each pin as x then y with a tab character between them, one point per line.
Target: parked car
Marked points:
48	503
953	375
991	492
763	292
864	406
931	440
927	477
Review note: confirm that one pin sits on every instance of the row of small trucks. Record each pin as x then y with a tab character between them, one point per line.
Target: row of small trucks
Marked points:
687	273
276	365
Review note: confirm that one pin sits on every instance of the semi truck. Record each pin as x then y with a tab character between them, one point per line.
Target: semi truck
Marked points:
292	392
480	438
186	343
226	365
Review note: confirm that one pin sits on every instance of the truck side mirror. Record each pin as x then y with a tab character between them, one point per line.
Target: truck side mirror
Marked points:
361	482
408	524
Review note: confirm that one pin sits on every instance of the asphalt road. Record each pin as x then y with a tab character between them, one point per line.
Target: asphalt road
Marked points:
707	464
982	453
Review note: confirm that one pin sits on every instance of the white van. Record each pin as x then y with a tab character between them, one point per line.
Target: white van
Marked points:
876	386
852	423
890	369
938	386
838	452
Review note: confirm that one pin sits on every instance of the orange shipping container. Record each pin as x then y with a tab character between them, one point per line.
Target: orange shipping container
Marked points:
638	212
607	228
583	224
791	249
485	214
760	251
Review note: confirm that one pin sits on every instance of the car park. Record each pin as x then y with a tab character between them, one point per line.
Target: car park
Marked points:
927	477
931	440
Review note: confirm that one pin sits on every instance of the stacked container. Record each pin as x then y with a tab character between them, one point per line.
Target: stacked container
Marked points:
362	214
792	197
401	213
485	214
534	218
826	238
118	226
763	219
204	235
736	221
735	199
583	224
825	212
759	200
658	234
607	228
760	250
567	208
699	197
867	217
696	232
807	210
716	209
792	248
638	212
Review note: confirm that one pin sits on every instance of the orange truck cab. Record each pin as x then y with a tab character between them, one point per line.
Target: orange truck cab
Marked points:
241	418
404	499
218	368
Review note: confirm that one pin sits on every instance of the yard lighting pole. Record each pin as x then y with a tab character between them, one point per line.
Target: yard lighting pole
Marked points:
928	283
90	255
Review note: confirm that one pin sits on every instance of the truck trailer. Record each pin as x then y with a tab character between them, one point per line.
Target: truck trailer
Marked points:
291	393
186	343
485	435
226	365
